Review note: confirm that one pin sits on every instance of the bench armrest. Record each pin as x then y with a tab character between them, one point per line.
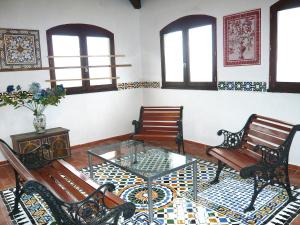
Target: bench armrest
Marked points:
271	156
36	158
33	159
231	140
137	126
91	210
95	202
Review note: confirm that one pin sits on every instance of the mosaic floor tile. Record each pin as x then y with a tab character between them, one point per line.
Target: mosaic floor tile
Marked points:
219	204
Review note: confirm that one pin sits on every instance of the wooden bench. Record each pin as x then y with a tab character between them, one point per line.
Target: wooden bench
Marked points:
72	197
160	123
260	150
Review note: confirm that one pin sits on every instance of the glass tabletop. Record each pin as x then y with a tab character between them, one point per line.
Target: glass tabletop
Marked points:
148	162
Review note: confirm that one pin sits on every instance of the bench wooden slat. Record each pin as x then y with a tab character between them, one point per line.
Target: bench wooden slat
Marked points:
235	159
265	137
161	107
169	114
159	128
161	110
276	126
274	120
173	133
71	189
43	175
256	141
269	131
163	124
80	179
249	146
151	137
161	118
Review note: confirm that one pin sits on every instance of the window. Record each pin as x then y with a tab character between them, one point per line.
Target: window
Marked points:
188	53
285	46
83	40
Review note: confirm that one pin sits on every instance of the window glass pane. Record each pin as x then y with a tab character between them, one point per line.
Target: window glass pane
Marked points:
200	50
67	46
173	56
288	67
99	46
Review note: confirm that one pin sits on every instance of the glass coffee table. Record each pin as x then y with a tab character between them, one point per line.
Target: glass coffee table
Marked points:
147	162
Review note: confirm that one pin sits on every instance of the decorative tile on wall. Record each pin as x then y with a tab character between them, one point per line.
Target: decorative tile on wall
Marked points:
139	84
19	49
242	86
242	38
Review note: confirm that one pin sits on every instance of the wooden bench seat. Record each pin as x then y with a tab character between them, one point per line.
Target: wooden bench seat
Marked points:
235	159
260	150
67	192
160	123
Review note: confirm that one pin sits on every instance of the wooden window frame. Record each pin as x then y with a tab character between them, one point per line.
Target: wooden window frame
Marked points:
82	31
184	24
274	86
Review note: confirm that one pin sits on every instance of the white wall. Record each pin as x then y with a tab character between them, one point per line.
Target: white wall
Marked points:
89	117
205	112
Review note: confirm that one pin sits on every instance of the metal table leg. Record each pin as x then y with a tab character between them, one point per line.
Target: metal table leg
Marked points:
150	201
90	158
195	181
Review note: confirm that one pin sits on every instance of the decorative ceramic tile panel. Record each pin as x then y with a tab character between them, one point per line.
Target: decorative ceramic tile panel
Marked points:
242	37
19	49
242	86
139	84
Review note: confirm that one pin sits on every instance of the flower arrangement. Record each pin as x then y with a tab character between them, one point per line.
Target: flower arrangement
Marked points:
35	99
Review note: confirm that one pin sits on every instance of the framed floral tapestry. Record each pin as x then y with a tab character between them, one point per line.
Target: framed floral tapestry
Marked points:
242	38
19	49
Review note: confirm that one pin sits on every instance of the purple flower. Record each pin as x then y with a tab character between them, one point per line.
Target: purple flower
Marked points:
10	88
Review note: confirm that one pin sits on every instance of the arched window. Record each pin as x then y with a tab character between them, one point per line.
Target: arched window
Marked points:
83	40
285	46
188	53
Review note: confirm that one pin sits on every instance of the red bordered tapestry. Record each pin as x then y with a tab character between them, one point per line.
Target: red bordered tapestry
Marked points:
242	38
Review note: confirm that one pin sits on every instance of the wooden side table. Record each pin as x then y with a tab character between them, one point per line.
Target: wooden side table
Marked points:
57	138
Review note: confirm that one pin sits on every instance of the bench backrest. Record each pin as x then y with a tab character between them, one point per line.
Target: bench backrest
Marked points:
266	131
156	120
70	184
15	162
59	177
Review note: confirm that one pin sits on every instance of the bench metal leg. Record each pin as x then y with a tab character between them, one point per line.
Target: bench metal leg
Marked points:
287	185
90	159
180	144
18	194
254	196
219	170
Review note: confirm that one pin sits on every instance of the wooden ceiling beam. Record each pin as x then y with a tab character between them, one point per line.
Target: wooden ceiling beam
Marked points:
136	3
